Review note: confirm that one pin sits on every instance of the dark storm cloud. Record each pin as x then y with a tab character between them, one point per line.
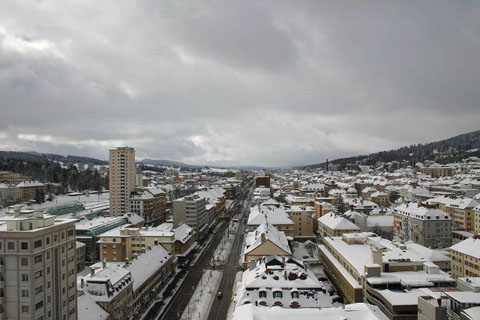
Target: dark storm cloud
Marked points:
248	82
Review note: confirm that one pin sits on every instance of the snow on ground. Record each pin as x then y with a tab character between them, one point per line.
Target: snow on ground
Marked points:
86	200
223	249
206	292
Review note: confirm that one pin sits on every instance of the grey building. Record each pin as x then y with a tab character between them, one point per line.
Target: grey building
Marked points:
429	227
191	210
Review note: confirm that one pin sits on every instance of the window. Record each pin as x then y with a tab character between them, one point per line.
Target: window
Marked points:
38	259
39	305
24	261
47	240
70	233
262	294
11	245
295	295
277	294
24	277
38	274
38	289
24	293
24	245
24	309
37	244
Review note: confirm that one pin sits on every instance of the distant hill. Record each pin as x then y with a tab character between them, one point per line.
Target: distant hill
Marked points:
167	163
444	151
37	157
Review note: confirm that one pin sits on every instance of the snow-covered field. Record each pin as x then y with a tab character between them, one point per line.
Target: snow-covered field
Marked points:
203	297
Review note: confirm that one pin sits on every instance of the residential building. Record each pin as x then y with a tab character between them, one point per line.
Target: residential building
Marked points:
461	210
357	311
438	171
9	194
191	210
27	190
425	226
111	287
37	266
466	258
334	225
122	179
265	241
124	243
283	282
275	214
357	262
380	198
149	203
302	218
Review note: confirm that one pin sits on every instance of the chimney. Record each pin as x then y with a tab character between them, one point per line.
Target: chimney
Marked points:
92	272
104	263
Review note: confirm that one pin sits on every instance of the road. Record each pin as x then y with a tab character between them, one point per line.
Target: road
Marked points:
219	308
182	296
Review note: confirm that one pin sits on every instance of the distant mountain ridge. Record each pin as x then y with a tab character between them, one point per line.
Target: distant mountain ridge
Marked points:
31	156
443	151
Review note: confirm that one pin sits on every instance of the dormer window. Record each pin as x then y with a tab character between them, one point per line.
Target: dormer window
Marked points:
295	295
262	294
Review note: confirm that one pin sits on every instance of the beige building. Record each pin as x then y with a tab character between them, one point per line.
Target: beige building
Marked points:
438	171
476	217
37	267
334	225
28	189
265	241
125	243
122	179
466	258
303	219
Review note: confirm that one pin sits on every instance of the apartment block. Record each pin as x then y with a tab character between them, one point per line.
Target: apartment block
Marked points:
466	258
122	179
191	211
303	219
37	266
425	226
149	204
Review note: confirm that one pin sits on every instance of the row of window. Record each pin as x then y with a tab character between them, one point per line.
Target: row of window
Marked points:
38	243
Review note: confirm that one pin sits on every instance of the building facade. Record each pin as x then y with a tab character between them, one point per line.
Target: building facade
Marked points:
191	211
38	267
425	226
121	179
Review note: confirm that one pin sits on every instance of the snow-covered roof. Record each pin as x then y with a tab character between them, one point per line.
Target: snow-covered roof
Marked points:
146	264
470	247
357	311
337	222
25	184
88	309
413	210
273	214
254	238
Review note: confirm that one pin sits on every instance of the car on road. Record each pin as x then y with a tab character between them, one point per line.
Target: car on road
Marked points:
219	295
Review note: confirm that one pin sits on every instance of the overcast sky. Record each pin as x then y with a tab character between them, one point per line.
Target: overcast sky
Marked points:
266	83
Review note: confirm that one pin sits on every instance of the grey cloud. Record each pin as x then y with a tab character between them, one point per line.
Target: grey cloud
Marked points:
249	82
